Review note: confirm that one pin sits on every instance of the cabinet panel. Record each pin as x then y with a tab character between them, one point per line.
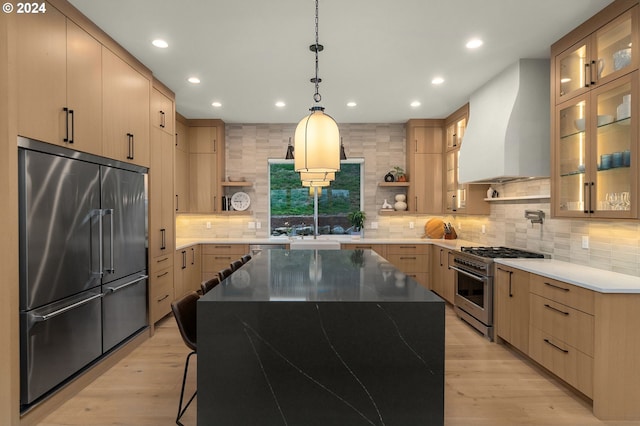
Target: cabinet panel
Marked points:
203	140
161	200
564	323
442	279
126	97
162	112
512	306
161	292
381	249
565	361
407	248
203	195
575	297
426	191
187	272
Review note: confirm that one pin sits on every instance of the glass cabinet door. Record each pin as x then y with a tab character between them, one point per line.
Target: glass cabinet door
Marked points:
571	71
455	133
615	143
456	196
571	157
614	48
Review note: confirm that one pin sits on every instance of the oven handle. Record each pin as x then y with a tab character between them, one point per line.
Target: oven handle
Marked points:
469	274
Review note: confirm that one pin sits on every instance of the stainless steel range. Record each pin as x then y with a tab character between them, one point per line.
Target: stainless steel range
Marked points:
474	268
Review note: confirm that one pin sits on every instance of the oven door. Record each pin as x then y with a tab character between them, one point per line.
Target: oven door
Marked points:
474	294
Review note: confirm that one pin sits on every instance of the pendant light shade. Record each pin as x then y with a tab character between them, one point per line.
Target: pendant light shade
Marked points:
317	177
319	184
317	143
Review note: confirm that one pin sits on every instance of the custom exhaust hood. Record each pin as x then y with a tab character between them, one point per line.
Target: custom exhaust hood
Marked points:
508	133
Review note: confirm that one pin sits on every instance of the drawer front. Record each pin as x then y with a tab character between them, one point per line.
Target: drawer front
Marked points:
421	277
235	249
576	297
409	263
160	262
160	293
563	360
562	322
216	262
407	249
378	248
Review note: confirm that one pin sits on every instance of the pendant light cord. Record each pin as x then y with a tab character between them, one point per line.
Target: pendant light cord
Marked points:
316	48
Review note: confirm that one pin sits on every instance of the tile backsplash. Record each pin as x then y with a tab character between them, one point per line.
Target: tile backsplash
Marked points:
613	245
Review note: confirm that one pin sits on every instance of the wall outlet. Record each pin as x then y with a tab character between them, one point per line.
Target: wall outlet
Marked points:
252	225
585	241
258	225
412	225
208	225
374	225
459	225
484	229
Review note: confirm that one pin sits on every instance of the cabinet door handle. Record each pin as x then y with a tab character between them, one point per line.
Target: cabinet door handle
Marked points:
163	239
177	203
69	113
163	298
407	258
593	70
130	146
546	305
557	287
215	147
591	198
162	274
556	346
162	119
441	257
586	73
453	203
184	259
162	260
193	254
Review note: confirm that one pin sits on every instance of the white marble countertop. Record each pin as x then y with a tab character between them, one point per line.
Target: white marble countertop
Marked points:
598	280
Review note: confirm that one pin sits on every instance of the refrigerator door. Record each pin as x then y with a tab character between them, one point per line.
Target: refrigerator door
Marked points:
124	309
60	339
124	233
59	207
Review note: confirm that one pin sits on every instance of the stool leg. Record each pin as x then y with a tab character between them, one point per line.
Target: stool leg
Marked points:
182	410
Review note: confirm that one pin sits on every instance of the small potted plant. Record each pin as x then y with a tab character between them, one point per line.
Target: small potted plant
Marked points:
356	218
399	173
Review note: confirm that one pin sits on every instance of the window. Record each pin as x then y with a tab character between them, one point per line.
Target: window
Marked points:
291	206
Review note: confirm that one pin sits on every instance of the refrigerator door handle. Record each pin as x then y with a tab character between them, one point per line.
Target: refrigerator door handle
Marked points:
41	318
99	273
120	287
111	268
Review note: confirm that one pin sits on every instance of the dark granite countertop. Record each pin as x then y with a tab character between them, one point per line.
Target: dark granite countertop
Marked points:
319	275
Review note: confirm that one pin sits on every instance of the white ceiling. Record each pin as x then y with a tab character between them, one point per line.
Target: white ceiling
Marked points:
381	54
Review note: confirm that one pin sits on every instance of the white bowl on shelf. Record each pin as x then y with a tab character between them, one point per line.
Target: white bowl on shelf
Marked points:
235	178
604	119
579	123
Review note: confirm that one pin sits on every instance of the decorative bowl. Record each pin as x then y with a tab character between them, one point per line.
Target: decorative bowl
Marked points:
235	178
579	123
621	58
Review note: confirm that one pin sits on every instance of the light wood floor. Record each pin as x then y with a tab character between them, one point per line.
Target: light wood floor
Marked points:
486	384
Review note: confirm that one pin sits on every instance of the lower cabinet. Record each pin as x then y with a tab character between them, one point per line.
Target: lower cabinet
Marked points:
381	249
160	287
216	257
442	279
187	270
511	312
412	259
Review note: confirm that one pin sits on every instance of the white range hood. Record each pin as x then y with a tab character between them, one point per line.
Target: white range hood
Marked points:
508	133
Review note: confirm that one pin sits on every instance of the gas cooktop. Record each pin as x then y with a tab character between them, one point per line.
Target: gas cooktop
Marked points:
503	252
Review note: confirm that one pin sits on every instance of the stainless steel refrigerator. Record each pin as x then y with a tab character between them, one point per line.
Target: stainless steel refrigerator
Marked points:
83	260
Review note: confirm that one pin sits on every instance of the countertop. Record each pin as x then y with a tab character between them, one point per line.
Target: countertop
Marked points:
598	280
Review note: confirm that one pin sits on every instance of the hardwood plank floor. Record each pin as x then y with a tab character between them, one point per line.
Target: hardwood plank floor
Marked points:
485	384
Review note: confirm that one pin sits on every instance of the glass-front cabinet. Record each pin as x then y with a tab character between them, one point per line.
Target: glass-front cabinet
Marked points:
595	152
455	193
605	55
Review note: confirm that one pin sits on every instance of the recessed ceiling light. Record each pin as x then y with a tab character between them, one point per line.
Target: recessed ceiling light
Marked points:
474	43
280	104
216	104
415	104
351	104
437	80
160	43
194	80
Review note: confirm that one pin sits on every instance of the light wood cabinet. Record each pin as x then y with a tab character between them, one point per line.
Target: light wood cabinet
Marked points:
187	270
460	198
160	287
381	249
162	112
216	257
442	279
206	165
424	165
125	111
411	259
59	82
182	165
512	306
161	194
595	136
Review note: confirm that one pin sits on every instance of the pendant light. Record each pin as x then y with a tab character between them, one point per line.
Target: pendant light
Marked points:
317	138
317	177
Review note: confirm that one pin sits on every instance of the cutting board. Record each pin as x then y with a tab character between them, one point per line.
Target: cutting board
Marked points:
434	229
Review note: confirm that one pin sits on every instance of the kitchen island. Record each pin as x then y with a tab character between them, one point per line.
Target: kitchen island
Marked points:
330	337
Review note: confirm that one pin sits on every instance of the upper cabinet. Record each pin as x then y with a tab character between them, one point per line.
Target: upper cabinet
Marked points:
59	82
206	165
460	198
162	113
125	111
182	165
424	165
607	53
594	120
